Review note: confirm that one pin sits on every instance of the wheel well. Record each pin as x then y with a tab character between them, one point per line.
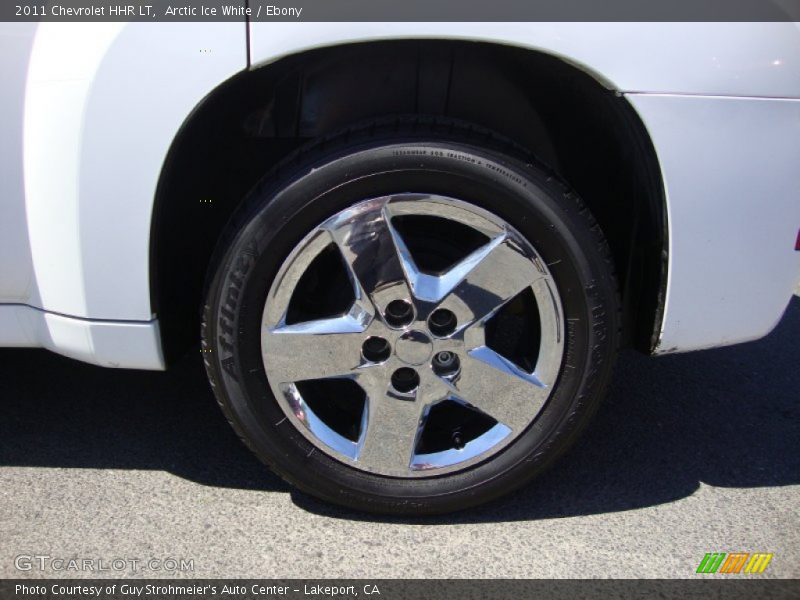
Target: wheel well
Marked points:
590	135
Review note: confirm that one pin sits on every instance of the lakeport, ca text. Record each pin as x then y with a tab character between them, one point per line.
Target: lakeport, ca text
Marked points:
143	591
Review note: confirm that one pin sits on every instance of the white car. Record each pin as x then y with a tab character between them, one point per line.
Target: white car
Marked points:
410	251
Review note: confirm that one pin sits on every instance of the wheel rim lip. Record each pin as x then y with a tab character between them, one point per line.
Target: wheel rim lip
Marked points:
477	450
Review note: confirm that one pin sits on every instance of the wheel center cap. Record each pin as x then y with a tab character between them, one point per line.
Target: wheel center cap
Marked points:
413	348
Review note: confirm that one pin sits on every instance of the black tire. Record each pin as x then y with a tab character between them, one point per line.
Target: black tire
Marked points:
401	155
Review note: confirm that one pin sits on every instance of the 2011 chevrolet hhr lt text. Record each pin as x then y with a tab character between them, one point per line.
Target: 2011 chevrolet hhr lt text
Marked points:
409	251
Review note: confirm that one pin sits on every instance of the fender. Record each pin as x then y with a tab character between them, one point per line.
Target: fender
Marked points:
89	203
718	59
721	91
103	103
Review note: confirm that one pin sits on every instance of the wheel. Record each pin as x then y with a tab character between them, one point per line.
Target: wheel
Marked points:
410	318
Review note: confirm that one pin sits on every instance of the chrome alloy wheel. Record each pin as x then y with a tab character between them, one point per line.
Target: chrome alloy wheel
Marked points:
413	342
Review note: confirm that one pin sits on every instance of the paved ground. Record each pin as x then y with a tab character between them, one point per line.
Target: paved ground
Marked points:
691	454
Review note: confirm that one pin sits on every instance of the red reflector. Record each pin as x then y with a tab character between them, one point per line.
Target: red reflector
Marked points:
797	243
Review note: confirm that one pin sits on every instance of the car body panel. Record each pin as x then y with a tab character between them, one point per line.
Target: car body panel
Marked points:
16	269
730	168
128	344
718	59
99	121
100	105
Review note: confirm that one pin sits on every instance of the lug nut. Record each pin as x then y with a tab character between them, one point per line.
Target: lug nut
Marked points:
405	380
399	313
442	322
445	363
376	349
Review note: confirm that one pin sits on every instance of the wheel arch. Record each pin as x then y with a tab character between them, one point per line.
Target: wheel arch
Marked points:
587	132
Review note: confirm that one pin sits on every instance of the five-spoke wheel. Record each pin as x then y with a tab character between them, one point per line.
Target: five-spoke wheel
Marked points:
414	341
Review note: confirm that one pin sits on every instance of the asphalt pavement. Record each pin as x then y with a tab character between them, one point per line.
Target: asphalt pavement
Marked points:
690	454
